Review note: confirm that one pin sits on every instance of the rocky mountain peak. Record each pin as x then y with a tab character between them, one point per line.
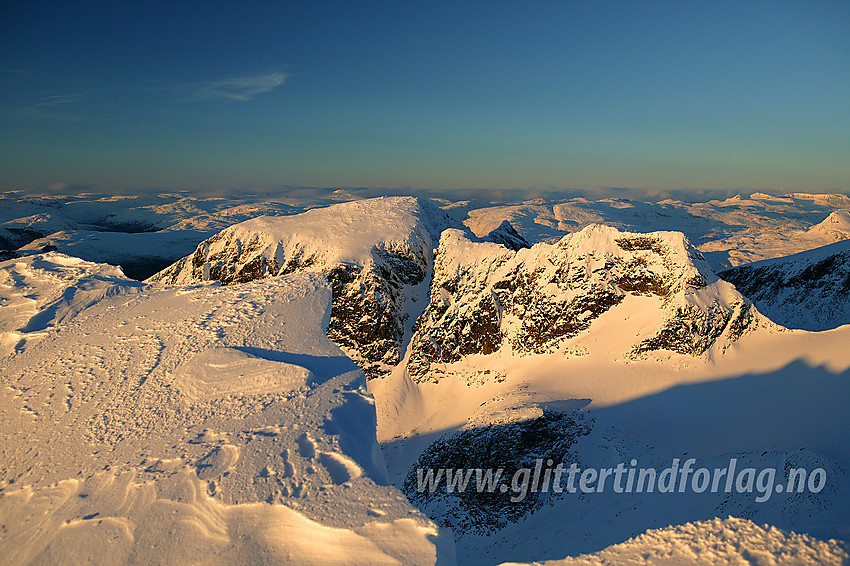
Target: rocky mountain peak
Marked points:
506	235
487	298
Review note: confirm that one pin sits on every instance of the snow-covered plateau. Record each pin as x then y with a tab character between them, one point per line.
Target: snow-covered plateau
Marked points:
285	369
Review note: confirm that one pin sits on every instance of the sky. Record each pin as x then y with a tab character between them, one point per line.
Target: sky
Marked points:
195	95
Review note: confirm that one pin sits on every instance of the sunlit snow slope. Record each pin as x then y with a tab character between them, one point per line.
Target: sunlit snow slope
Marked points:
205	416
189	424
720	542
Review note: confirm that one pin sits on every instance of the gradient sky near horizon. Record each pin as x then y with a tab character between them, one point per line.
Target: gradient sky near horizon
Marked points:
191	95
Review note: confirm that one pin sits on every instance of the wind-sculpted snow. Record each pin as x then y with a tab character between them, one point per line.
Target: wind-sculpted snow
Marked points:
38	292
374	253
720	542
809	290
485	298
191	424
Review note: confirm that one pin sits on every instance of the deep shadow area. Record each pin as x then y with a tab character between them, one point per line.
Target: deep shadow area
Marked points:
141	269
508	447
796	406
125	227
324	368
797	414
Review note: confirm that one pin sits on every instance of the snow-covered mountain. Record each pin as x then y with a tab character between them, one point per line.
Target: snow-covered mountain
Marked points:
485	297
575	352
141	233
835	226
189	424
217	412
376	253
506	235
808	290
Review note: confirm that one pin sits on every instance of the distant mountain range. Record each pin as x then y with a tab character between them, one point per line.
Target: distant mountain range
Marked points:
282	381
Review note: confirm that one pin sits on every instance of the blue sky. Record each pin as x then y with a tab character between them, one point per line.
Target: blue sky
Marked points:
190	95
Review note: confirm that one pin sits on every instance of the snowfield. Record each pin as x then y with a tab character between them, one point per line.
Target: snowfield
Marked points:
196	423
269	396
722	542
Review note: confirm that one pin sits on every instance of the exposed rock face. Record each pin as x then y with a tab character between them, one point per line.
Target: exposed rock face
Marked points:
485	297
808	290
375	253
507	447
508	237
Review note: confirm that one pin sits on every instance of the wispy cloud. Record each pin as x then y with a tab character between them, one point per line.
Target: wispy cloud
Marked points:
239	88
14	71
53	106
58	100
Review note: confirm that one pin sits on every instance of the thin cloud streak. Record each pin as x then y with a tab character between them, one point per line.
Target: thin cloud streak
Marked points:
240	88
54	106
59	99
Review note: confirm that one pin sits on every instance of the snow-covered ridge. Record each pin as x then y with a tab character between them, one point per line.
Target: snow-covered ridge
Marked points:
346	233
720	542
809	290
219	402
142	233
374	253
485	297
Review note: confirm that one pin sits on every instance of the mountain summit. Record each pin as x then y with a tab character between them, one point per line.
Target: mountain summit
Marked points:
375	253
486	298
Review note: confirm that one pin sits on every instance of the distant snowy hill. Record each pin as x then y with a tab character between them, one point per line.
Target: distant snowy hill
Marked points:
189	424
139	254
729	232
152	228
142	233
376	253
785	235
835	226
808	290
